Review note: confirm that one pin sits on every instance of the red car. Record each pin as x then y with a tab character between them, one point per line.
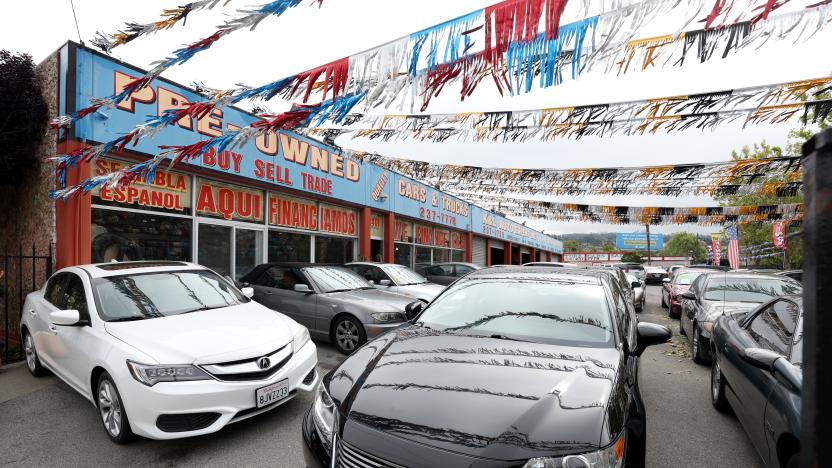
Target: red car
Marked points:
672	289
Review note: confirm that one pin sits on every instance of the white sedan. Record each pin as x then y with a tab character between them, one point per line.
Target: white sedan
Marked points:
164	349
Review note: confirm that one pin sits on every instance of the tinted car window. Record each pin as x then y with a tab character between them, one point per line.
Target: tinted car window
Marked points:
279	278
441	270
53	289
539	311
757	290
773	327
149	295
462	270
74	297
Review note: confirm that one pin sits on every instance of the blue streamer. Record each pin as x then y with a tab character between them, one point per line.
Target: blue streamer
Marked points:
451	31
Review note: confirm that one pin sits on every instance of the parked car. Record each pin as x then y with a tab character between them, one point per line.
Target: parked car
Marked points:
625	285
654	275
550	264
672	289
398	279
713	294
334	303
634	268
796	275
638	292
517	366
171	344
672	269
756	372
446	273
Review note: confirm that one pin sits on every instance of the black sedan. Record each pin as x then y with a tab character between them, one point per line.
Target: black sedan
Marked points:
717	293
756	371
509	367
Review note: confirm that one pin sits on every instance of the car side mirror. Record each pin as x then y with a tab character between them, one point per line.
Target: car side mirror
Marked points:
689	295
650	334
247	291
412	310
666	280
635	284
760	358
302	288
385	283
67	318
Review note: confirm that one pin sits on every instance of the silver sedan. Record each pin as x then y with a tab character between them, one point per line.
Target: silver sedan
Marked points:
399	279
334	303
638	292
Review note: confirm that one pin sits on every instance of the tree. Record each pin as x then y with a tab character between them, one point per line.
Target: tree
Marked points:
23	116
631	257
681	244
571	245
609	247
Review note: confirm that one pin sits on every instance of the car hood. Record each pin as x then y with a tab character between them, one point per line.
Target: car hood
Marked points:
209	336
431	387
426	291
372	299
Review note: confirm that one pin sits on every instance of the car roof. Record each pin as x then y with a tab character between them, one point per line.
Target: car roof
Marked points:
744	275
452	263
255	272
101	270
378	264
565	274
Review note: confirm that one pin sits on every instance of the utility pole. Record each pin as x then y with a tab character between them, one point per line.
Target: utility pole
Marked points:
648	244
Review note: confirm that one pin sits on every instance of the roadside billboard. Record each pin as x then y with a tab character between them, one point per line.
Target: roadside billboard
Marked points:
638	241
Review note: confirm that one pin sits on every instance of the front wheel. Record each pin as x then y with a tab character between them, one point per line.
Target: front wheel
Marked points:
664	303
32	359
111	409
348	334
718	399
696	346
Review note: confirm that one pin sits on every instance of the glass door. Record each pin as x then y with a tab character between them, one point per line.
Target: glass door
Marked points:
214	248
248	250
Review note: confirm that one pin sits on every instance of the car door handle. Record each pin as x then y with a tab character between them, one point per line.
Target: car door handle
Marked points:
32	312
53	329
267	293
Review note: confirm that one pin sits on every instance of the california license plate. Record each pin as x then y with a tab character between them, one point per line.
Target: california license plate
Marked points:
275	392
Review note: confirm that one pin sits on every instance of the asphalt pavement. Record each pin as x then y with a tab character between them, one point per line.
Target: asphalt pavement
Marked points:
44	423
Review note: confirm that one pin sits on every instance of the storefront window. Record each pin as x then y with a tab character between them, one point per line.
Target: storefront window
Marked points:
215	248
334	249
403	254
123	236
377	250
289	247
423	256
441	255
248	251
457	255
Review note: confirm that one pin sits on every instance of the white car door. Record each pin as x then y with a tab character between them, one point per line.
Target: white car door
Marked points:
73	346
38	320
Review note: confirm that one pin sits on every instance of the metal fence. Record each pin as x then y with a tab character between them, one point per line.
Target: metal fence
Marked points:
21	272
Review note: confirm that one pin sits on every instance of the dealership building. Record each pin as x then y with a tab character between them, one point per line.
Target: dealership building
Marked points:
283	197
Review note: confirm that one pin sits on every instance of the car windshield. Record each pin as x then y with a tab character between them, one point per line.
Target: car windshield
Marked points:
404	276
538	311
149	295
336	279
685	279
756	290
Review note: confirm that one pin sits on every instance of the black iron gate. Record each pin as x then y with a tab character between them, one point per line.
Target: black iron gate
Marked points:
20	273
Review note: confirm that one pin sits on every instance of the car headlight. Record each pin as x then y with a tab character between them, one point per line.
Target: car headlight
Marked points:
611	456
150	375
299	340
323	415
388	317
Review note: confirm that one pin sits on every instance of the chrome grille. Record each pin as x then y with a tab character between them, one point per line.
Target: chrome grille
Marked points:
352	457
248	369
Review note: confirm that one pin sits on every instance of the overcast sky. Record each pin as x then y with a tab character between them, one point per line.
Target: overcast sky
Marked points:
308	36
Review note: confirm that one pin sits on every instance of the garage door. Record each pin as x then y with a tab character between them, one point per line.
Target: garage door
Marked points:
478	251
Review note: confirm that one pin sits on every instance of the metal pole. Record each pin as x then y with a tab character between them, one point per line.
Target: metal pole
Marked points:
816	437
648	244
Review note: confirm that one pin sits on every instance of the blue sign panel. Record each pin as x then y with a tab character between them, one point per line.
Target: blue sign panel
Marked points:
638	241
283	159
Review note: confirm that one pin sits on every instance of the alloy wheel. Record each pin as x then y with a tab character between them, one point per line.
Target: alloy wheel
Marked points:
716	379
110	407
31	357
346	333
695	345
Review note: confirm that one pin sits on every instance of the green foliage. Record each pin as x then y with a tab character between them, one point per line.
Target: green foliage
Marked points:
632	257
609	248
571	245
23	116
682	244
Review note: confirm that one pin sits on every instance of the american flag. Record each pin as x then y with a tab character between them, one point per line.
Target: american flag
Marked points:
733	246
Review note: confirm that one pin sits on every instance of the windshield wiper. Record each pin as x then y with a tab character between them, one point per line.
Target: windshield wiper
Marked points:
199	309
338	290
504	337
126	319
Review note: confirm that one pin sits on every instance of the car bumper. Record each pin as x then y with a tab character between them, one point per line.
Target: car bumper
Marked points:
375	329
232	401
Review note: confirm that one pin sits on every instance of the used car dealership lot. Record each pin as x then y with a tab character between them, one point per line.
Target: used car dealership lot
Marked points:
45	423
